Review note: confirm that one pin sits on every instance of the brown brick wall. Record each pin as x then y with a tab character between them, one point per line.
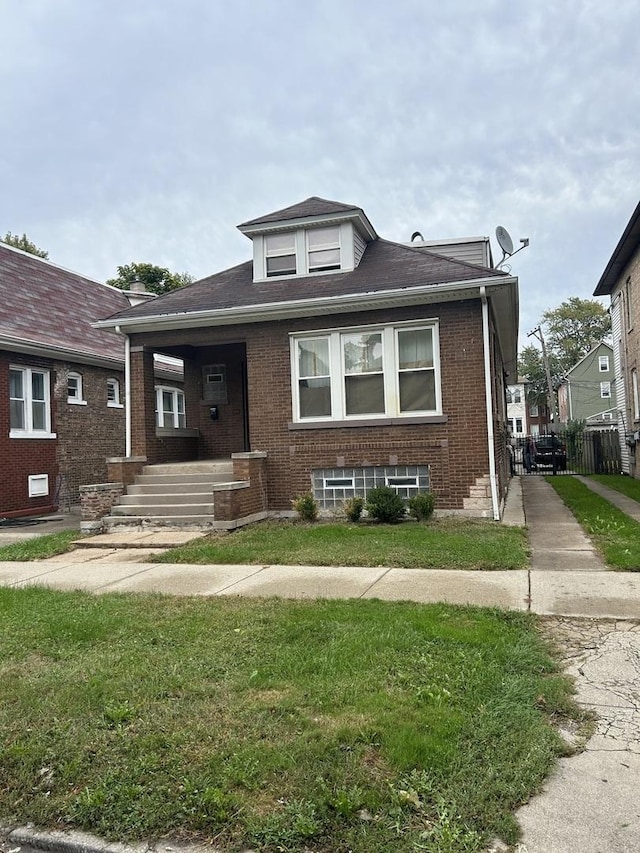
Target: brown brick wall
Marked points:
456	450
87	435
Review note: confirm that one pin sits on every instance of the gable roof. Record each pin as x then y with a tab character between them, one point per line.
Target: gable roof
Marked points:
621	256
48	310
592	352
312	206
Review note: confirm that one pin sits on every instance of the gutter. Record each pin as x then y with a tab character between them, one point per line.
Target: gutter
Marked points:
27	347
489	404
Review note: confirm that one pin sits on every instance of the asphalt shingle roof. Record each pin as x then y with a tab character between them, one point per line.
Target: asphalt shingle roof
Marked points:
384	266
49	306
313	206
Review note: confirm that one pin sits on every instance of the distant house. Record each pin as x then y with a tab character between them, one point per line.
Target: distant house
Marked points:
62	382
331	362
588	391
517	408
621	282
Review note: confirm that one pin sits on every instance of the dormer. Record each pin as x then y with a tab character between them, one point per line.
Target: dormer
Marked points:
314	237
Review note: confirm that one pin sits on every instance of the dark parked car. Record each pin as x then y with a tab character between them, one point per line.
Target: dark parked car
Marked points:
550	452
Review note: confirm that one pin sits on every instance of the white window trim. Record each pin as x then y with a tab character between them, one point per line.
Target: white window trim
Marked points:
176	394
635	395
38	485
29	431
79	400
345	244
115	403
334	244
390	371
605	390
603	363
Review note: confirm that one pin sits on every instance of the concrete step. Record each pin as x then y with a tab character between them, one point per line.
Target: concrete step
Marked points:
197	488
195	522
159	479
206	466
173	509
172	497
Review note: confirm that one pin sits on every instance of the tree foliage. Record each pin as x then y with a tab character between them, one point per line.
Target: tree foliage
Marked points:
158	280
25	244
570	331
575	327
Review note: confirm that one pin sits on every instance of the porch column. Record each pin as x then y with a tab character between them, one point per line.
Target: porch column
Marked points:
143	403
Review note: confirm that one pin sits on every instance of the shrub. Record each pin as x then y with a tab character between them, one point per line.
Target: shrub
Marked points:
421	506
306	507
385	504
353	508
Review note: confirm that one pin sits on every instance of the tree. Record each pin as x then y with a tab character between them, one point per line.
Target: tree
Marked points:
25	244
575	327
156	279
570	331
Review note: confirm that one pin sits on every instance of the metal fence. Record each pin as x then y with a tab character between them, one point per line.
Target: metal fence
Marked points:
568	452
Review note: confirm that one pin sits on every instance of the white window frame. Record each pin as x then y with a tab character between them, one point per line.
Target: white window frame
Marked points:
28	431
390	371
322	247
603	363
76	399
114	384
281	253
635	394
38	485
175	415
605	390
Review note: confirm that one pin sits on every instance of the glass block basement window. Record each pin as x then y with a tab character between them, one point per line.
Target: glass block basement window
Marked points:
332	486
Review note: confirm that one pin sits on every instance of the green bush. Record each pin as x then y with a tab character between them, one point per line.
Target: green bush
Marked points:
421	506
385	505
353	508
306	507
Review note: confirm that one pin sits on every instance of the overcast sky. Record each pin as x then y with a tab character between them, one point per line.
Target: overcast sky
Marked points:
146	130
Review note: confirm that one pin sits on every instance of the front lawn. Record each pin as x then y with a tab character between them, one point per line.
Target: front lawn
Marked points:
40	547
615	534
628	486
329	726
439	544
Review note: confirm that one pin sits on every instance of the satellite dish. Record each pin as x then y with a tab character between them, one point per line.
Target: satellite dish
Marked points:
504	240
415	235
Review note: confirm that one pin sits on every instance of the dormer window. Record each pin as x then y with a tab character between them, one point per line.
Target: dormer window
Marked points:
280	252
323	249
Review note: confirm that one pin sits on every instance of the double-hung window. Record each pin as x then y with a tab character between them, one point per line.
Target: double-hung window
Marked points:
323	249
605	390
373	372
170	407
29	403
113	394
603	363
280	254
74	389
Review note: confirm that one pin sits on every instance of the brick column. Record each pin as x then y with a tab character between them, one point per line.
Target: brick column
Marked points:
143	403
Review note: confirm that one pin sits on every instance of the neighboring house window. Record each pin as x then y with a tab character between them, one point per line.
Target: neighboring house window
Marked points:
516	396
533	411
603	363
280	254
29	406
509	396
74	389
170	407
113	393
636	398
373	372
323	249
519	425
605	389
628	304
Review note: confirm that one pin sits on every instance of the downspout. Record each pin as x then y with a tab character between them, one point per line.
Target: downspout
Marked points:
127	392
489	404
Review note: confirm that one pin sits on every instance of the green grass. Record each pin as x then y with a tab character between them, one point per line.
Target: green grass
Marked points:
441	544
628	486
615	534
40	547
332	726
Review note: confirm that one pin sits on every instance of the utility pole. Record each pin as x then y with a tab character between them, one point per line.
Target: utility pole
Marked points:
551	394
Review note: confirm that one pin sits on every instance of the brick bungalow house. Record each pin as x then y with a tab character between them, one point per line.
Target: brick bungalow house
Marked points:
620	281
332	361
62	382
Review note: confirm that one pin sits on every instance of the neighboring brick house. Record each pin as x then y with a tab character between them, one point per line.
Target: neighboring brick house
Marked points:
344	359
621	281
587	392
62	383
